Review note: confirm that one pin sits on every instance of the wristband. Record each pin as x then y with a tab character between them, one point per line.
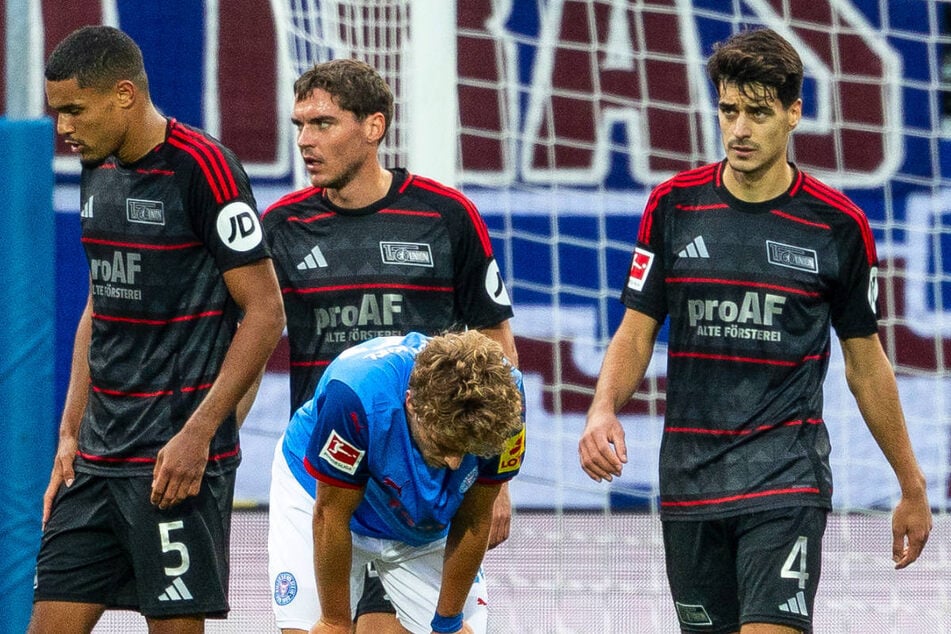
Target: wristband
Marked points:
448	624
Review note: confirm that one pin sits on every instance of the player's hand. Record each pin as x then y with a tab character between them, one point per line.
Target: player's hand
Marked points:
501	517
602	449
911	525
62	472
178	471
322	627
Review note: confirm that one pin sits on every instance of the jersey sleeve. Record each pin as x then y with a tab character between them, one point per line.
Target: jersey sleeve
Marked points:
338	445
854	305
644	289
481	295
506	465
222	206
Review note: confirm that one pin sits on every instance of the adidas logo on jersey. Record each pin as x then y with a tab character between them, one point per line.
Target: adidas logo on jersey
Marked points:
696	248
178	591
312	260
87	209
795	605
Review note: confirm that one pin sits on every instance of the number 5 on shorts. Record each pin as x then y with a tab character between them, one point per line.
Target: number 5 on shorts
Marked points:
798	551
169	546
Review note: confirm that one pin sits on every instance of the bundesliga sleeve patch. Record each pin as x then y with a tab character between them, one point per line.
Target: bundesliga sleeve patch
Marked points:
341	454
640	267
511	458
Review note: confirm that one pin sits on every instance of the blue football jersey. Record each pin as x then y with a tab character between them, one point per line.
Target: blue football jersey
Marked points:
359	437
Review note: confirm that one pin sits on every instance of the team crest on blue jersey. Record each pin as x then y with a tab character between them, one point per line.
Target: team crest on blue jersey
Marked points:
285	588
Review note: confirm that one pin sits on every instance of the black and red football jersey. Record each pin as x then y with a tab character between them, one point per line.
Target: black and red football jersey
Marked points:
750	290
419	259
158	234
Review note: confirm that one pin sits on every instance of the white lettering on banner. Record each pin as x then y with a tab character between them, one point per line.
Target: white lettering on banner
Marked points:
606	53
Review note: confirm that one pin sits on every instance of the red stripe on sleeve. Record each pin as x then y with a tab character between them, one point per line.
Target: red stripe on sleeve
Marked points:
474	216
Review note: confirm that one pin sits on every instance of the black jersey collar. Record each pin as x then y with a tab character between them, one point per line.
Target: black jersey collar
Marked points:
759	207
399	178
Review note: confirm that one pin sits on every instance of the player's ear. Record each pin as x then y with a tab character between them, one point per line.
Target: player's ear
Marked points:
794	114
125	93
375	127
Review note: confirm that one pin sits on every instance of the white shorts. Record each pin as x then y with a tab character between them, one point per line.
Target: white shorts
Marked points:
411	576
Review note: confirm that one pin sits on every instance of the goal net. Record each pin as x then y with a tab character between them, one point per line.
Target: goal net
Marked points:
557	117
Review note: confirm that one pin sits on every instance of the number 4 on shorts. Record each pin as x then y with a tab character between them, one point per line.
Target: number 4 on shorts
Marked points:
798	552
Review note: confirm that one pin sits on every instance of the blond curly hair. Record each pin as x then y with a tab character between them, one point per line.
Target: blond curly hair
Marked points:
464	395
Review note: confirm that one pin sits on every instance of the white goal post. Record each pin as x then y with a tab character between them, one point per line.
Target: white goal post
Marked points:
411	43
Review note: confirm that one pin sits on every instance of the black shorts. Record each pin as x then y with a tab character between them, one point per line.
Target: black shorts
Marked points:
761	567
374	599
106	544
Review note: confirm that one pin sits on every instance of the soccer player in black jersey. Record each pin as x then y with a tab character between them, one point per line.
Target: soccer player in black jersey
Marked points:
363	252
752	260
137	514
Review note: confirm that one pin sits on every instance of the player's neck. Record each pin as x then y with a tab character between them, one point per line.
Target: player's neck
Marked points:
363	190
144	135
759	185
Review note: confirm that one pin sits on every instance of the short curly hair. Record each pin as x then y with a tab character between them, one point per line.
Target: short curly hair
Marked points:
464	394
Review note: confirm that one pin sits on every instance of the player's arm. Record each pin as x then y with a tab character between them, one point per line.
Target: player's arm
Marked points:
180	465
502	510
244	405
77	397
602	449
465	547
333	554
871	380
502	333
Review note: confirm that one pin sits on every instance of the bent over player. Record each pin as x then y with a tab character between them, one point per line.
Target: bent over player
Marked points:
137	514
752	260
412	437
363	252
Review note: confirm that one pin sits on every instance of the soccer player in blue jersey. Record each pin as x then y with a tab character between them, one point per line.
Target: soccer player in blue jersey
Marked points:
412	438
752	260
363	251
137	514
